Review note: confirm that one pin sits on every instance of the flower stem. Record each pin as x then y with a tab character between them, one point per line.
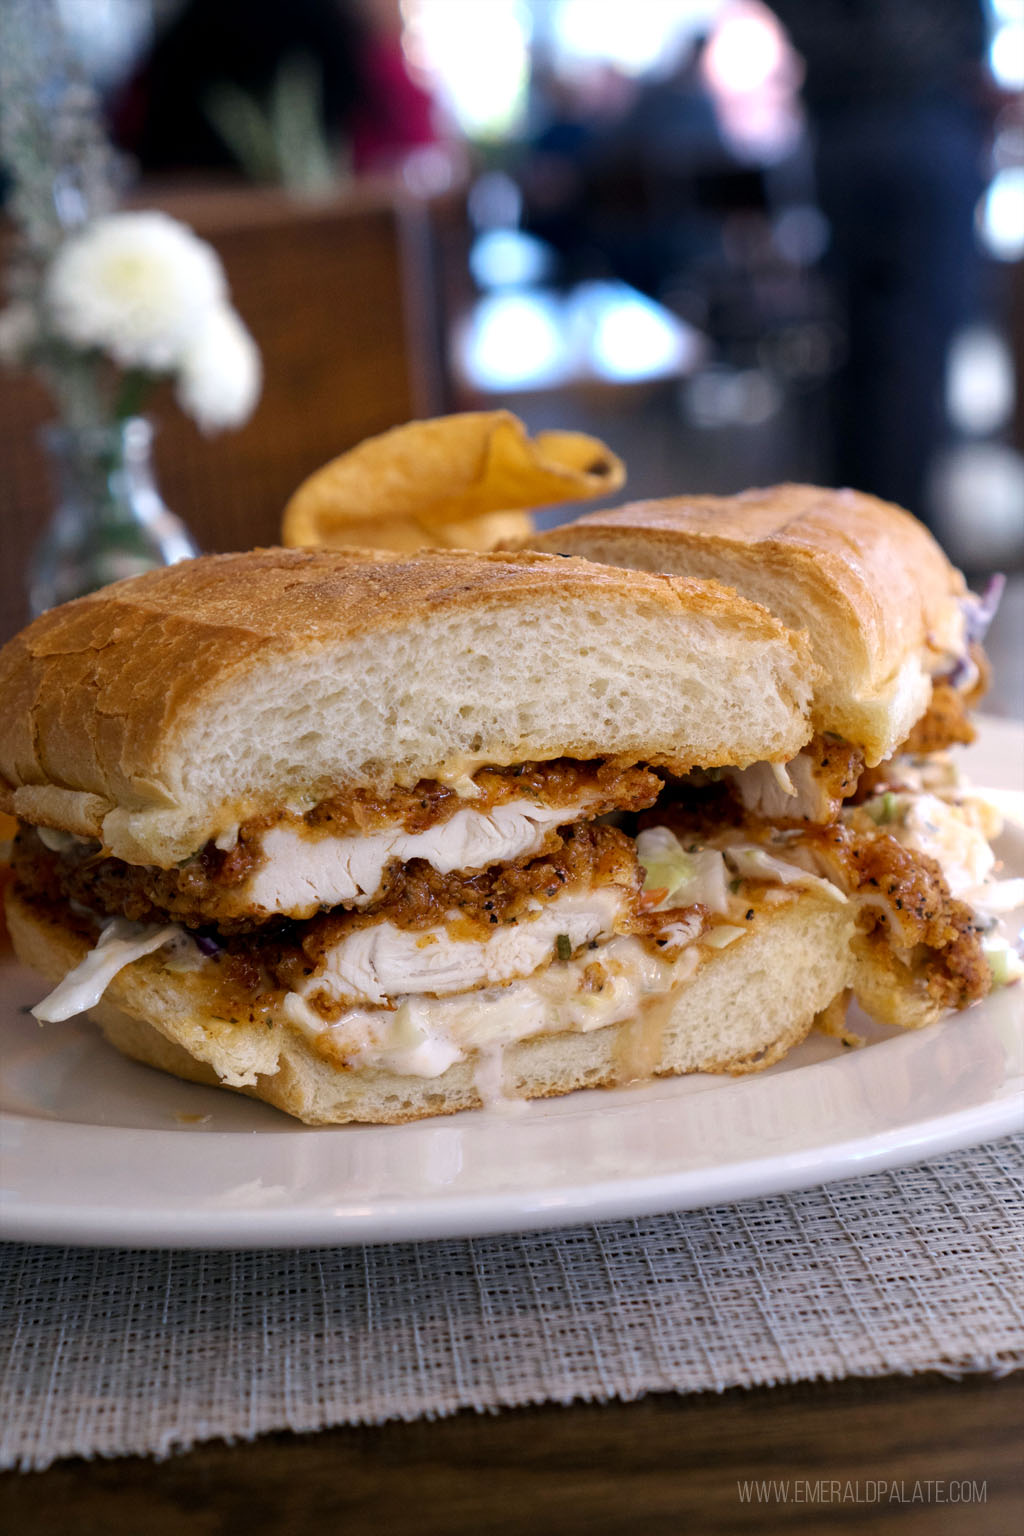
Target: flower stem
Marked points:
135	386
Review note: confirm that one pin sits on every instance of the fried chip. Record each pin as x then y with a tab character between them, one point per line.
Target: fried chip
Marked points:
462	481
407	534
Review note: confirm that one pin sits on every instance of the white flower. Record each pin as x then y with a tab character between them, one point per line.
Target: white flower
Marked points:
137	285
219	381
18	331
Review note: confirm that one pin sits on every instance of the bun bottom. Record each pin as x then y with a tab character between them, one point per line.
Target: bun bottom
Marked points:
743	1009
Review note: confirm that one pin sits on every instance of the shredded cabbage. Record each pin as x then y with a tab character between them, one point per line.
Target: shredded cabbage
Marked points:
686	878
886	808
667	866
753	863
1003	961
119	944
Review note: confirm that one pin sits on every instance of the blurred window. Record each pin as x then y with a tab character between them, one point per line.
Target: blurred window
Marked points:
635	38
1000	215
475	54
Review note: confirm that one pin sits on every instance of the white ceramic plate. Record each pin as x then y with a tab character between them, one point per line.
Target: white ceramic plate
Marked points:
96	1149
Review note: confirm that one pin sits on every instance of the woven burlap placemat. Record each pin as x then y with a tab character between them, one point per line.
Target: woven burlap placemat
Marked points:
107	1352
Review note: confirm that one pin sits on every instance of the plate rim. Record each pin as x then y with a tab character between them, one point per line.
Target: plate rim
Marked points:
481	1215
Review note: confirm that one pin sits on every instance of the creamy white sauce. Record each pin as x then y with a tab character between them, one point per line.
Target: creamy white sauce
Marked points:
950	834
489	1082
301	873
382	961
933	827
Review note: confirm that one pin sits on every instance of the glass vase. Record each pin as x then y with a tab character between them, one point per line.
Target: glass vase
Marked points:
110	521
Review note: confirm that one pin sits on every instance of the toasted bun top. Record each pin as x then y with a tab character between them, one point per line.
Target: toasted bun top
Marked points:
879	598
167	708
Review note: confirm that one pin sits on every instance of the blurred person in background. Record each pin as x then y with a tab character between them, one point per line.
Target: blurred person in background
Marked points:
610	178
655	157
896	102
571	116
291	91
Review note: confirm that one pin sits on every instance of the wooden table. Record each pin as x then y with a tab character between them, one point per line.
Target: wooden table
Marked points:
666	1464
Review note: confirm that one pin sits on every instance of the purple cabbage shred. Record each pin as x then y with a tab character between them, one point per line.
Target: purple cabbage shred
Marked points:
961	669
980	611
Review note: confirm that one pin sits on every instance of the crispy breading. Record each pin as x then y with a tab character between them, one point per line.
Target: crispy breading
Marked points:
200	892
906	904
